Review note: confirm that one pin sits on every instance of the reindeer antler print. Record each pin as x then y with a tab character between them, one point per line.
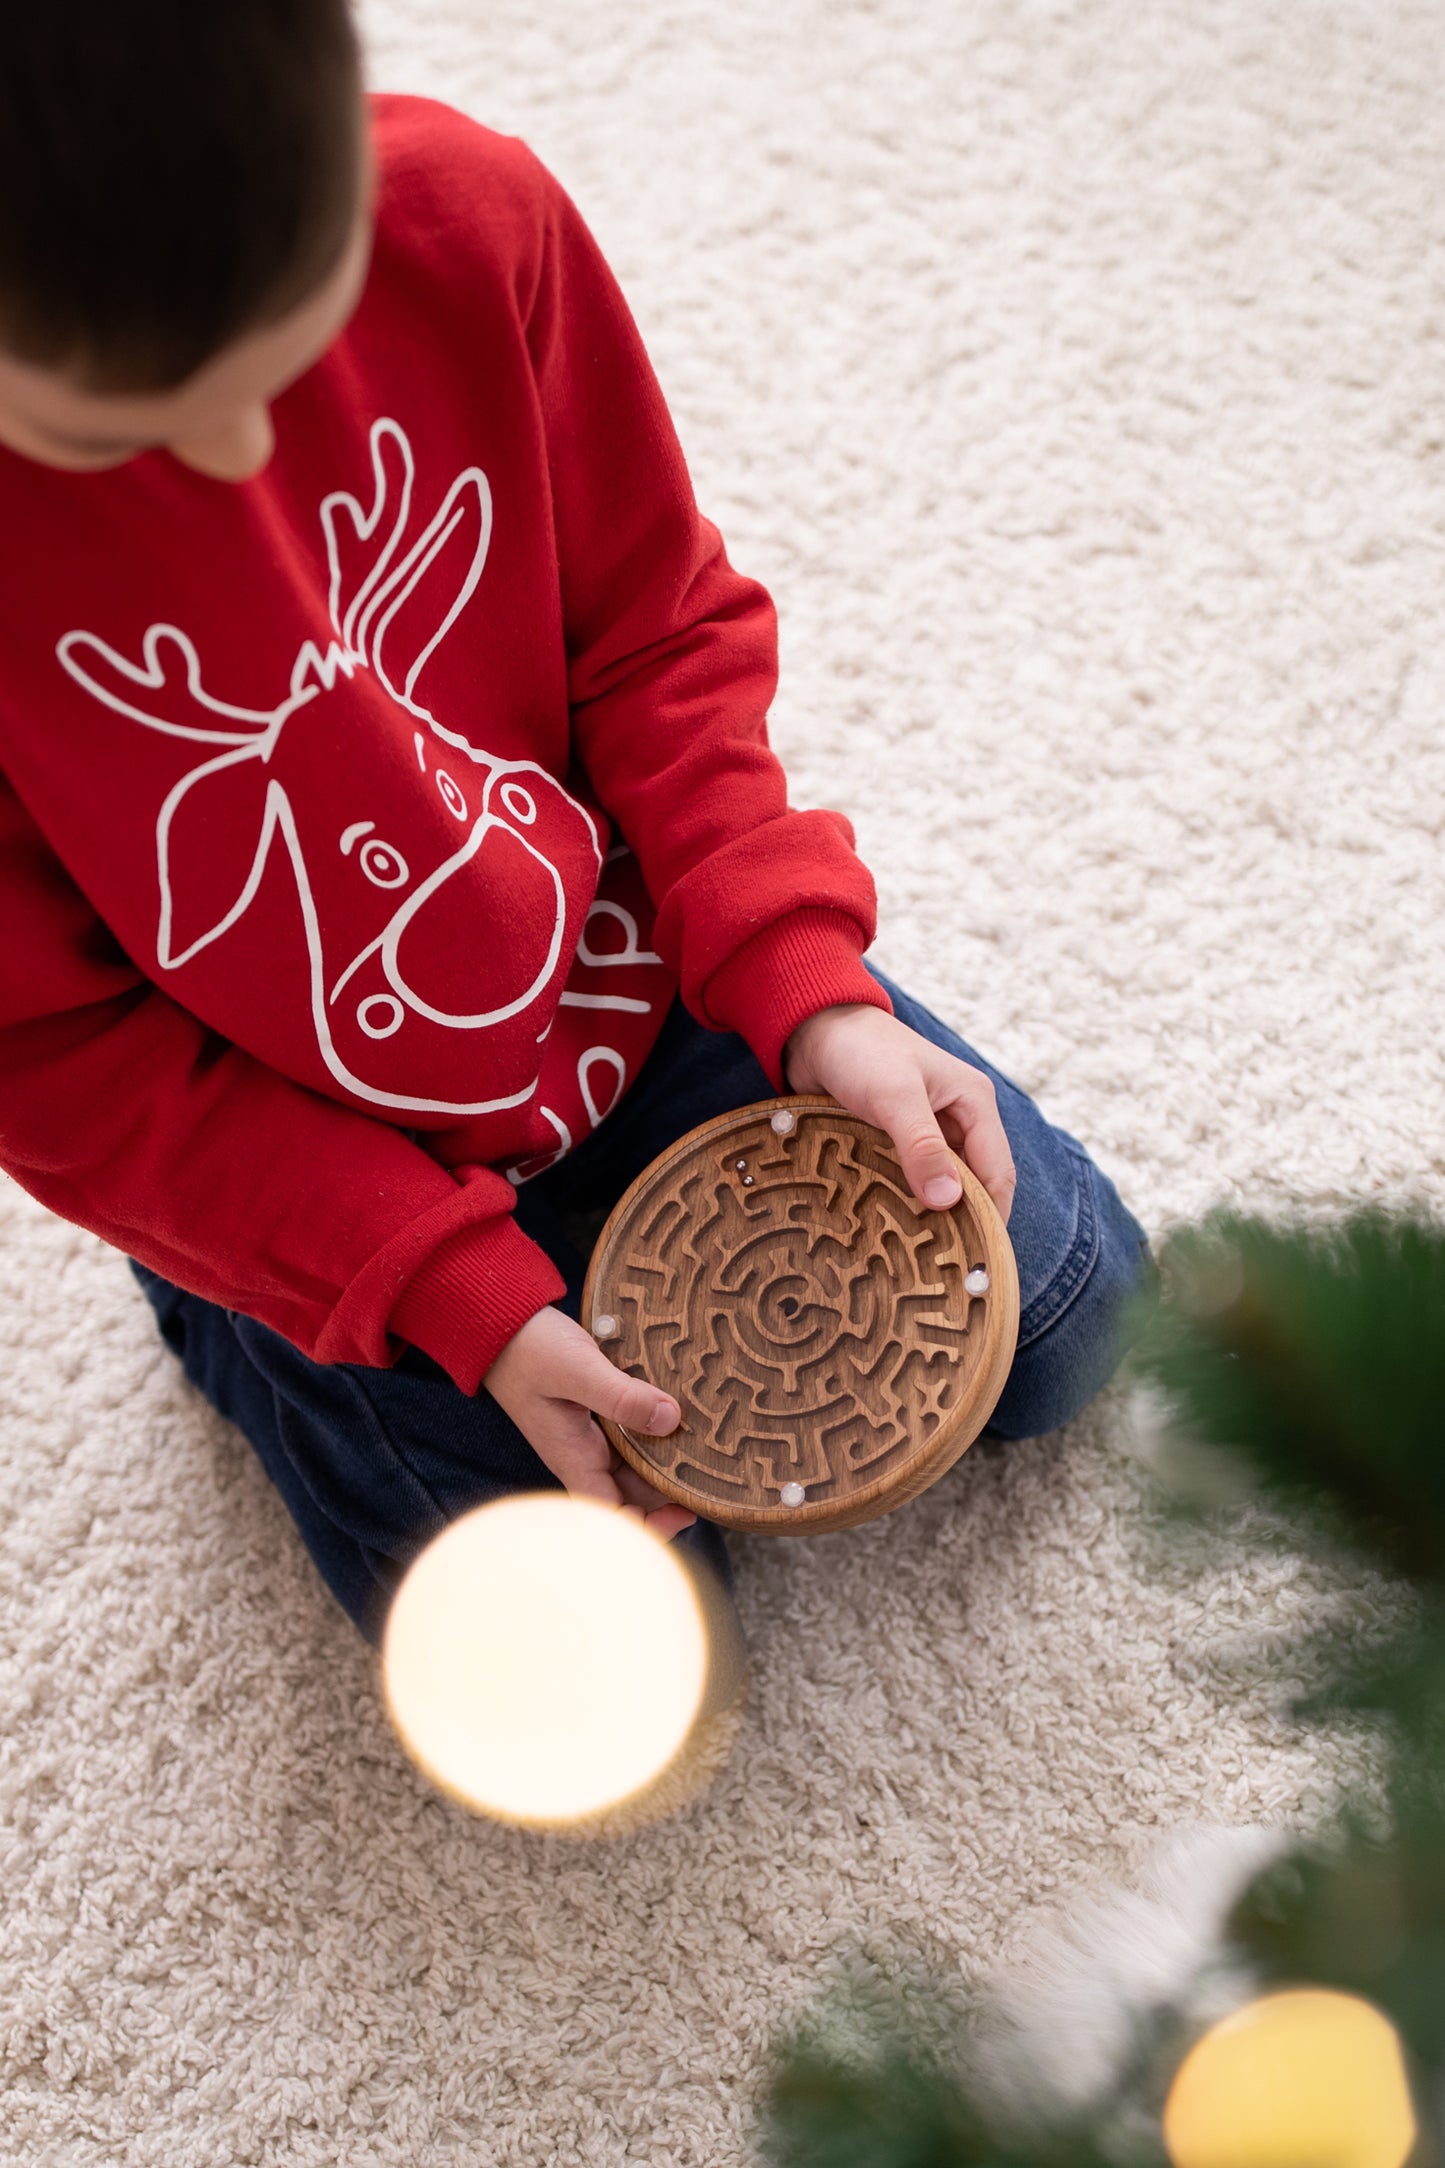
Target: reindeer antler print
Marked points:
217	887
382	592
435	900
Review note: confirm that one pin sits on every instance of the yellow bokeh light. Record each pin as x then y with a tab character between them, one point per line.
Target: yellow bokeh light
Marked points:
1308	2078
544	1658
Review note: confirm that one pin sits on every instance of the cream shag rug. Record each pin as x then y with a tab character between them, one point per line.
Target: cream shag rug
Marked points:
1073	375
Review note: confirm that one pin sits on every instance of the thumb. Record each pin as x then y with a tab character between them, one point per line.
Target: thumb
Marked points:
928	1164
632	1402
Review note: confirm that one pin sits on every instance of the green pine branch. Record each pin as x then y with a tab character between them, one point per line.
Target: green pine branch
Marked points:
897	2106
1310	1359
1314	1356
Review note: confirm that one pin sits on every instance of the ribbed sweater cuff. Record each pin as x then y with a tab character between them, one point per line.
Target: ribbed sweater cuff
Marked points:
474	1291
810	960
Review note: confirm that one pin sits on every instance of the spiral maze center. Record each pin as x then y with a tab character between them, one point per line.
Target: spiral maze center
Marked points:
811	1320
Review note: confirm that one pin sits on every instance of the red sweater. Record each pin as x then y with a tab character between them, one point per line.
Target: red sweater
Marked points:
359	822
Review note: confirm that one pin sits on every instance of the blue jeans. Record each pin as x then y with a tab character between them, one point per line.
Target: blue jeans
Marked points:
373	1463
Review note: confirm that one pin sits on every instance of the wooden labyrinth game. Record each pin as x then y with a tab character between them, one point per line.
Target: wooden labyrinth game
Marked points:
833	1345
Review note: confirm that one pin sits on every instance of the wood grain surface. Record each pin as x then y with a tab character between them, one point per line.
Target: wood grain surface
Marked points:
773	1272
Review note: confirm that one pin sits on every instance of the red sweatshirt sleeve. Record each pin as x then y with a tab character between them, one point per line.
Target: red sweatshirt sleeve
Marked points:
124	1113
763	912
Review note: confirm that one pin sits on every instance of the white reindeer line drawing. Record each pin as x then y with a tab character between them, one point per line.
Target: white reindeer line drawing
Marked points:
390	606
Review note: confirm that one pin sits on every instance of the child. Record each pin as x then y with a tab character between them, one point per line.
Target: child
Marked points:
392	861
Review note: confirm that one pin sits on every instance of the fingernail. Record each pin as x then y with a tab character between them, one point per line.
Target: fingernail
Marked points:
664	1419
945	1191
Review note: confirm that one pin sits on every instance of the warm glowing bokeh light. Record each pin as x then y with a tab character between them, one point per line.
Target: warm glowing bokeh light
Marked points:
1303	2079
544	1658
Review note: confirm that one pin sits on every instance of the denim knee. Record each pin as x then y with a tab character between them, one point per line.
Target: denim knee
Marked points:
1058	1371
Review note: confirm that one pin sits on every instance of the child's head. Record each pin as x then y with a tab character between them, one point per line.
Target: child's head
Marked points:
184	199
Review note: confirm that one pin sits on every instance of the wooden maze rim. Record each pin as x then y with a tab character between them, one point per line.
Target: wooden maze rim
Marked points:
932	1457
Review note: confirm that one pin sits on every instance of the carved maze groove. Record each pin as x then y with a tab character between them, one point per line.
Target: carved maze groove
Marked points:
810	1319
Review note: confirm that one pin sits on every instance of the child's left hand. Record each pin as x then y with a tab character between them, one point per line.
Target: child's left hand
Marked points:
886	1073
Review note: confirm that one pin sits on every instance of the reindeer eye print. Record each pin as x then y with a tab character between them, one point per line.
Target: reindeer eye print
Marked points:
383	864
387	1006
519	803
452	798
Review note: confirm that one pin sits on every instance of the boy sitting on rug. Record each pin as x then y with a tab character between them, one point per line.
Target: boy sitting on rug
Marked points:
392	861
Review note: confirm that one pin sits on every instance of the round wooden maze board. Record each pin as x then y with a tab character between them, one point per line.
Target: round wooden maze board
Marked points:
810	1319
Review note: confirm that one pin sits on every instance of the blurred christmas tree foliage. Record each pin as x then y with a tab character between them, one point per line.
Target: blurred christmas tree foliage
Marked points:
898	2108
1302	1365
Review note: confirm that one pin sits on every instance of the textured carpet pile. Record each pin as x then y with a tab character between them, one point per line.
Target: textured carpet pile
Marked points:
1072	375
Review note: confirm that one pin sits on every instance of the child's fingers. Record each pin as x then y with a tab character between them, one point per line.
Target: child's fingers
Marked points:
924	1151
552	1364
982	1143
669	1521
905	1109
550	1378
587	1376
568	1442
662	1516
585	1464
883	1070
578	1454
638	1407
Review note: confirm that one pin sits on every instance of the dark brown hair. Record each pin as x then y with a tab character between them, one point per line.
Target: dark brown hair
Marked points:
173	173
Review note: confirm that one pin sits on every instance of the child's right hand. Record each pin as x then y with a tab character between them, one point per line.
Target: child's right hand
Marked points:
551	1377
